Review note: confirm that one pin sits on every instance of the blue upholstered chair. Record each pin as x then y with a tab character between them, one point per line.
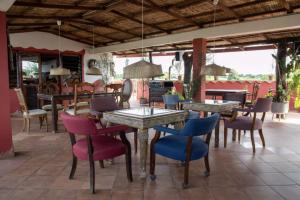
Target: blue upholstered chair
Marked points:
184	145
172	102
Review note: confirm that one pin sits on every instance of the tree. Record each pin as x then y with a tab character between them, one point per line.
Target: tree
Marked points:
188	63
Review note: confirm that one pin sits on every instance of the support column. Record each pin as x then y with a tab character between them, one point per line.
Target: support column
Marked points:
6	146
199	62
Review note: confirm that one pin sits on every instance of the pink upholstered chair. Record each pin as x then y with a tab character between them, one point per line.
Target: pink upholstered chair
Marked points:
98	145
102	104
245	123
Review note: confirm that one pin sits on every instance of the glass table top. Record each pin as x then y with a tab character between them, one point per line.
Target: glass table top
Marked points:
146	112
214	102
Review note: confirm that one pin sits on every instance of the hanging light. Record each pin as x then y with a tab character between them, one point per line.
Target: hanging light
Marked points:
142	69
59	71
214	69
92	65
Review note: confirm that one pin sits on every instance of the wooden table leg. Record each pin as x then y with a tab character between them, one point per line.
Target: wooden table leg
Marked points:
143	139
217	132
54	116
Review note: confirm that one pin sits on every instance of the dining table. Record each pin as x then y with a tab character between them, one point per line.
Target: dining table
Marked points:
144	118
58	98
221	92
211	106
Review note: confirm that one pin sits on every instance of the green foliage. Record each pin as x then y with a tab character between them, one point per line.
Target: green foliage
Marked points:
174	92
292	72
30	69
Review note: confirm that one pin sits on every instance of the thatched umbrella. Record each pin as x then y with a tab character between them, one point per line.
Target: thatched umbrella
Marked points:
142	70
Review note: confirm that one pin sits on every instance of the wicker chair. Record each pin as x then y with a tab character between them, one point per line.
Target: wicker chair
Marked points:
81	106
29	114
50	88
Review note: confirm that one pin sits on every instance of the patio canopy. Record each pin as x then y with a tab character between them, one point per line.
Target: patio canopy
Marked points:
119	22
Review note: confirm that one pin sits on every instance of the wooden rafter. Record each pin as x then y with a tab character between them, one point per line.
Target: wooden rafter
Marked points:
156	7
56	6
106	8
32	24
228	10
91	32
286	5
138	21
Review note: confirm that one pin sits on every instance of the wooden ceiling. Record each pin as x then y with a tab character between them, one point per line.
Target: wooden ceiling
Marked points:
119	21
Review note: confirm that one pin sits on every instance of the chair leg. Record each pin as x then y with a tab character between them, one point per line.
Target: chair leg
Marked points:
46	120
239	135
152	163
233	134
135	141
225	136
101	163
28	125
252	140
92	177
41	122
262	137
24	124
74	166
128	164
206	162
186	174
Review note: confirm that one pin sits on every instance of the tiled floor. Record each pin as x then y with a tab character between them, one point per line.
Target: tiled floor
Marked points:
40	170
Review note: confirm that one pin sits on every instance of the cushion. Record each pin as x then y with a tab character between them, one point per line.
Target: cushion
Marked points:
105	147
49	107
243	123
78	112
193	115
35	112
174	147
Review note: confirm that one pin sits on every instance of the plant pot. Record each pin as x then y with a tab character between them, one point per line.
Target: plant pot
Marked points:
280	107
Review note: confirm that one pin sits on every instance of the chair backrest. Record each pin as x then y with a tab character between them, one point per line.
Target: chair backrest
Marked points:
78	125
126	90
262	105
239	96
21	99
82	88
104	104
170	101
51	88
201	126
255	91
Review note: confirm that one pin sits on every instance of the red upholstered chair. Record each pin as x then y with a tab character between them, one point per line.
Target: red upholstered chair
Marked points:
98	145
102	104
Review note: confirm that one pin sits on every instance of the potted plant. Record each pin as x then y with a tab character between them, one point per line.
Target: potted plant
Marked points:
280	103
289	80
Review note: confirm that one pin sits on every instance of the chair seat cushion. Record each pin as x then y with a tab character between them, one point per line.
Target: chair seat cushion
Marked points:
174	147
243	123
105	147
193	114
35	112
48	107
82	103
78	112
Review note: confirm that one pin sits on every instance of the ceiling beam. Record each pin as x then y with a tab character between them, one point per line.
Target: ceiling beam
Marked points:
56	6
286	5
242	28
156	7
106	8
32	24
138	21
6	4
91	32
228	10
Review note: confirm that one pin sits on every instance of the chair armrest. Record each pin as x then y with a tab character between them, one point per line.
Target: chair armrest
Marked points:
112	129
167	130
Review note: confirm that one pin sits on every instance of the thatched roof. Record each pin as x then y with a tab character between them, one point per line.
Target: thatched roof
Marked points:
119	21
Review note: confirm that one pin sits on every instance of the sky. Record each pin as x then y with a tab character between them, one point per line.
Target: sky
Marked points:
244	62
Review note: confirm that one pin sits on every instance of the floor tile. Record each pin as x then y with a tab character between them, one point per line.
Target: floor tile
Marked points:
276	179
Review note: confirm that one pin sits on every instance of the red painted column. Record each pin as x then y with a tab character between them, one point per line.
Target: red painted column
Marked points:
6	145
199	62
